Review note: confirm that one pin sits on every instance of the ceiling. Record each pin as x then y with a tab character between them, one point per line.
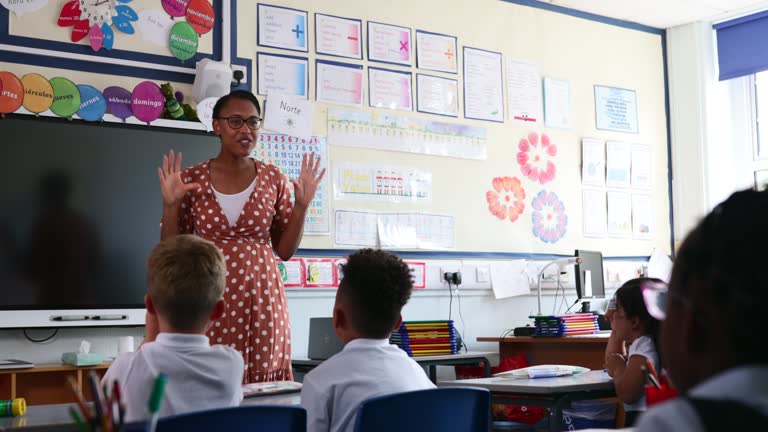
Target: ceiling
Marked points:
665	13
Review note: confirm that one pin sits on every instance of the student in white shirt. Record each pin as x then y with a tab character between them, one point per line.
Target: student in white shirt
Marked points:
712	337
633	327
375	288
186	284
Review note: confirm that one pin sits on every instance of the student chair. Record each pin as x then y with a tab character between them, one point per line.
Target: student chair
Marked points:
449	409
239	419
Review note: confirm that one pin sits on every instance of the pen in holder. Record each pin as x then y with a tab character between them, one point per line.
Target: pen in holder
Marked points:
657	394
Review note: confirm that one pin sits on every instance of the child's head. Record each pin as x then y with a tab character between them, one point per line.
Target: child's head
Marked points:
375	288
717	293
631	319
186	277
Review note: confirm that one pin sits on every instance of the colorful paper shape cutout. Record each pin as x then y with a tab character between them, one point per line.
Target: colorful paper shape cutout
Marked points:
93	106
205	112
155	26
66	97
118	102
80	30
70	14
536	158
123	25
12	94
549	219
126	13
201	16
96	37
109	36
147	101
507	198
38	93
183	41
175	8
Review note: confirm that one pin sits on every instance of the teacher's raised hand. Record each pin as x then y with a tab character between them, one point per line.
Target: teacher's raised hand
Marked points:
171	183
305	186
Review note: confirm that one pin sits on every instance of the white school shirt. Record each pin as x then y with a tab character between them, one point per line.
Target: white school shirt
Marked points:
747	384
333	392
200	376
642	346
232	205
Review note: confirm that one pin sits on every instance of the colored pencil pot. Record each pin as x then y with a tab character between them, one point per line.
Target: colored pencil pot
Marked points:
654	395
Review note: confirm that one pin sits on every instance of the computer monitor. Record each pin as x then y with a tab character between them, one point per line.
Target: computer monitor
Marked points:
589	275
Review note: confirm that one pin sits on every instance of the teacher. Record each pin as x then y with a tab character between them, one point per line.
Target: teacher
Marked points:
244	207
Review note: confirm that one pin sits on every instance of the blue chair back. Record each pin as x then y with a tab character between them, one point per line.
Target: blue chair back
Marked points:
447	409
239	419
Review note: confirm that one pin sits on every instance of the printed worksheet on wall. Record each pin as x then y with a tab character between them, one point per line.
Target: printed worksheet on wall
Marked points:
641	167
618	163
557	103
594	212
524	91
619	214
483	85
355	228
642	217
592	162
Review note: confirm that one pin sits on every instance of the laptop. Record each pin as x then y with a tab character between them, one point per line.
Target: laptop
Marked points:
323	342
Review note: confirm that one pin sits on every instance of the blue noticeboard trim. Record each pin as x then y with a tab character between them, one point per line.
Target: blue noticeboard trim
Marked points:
456	255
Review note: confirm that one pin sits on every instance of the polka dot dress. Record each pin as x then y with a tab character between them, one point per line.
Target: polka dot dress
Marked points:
255	321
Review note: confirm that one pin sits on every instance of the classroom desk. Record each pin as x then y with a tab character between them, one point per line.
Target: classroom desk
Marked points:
552	393
468	358
586	351
55	418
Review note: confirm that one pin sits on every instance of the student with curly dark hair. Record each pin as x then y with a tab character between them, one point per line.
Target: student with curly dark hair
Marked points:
713	335
375	288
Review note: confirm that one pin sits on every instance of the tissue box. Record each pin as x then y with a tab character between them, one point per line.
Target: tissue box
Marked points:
82	359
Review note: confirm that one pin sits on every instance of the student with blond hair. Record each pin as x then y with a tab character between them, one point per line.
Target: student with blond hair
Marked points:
186	285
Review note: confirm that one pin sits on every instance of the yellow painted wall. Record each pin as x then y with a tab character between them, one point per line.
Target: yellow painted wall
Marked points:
583	52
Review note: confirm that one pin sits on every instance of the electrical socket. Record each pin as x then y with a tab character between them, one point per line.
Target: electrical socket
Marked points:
453	278
483	274
245	73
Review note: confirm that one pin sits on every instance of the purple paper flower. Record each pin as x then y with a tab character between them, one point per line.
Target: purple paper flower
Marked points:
549	218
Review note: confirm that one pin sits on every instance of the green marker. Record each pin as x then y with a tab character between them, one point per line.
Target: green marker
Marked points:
78	420
155	400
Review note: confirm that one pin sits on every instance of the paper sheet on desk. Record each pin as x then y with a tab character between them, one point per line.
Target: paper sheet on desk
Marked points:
543	371
509	279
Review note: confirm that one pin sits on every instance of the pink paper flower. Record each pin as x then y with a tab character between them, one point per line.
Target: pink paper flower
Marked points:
536	159
506	199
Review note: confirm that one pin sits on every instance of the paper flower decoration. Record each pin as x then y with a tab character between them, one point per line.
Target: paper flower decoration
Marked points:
536	158
549	218
94	18
506	199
